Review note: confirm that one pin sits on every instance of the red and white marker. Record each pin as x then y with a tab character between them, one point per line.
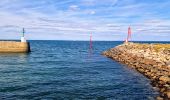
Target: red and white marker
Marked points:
129	35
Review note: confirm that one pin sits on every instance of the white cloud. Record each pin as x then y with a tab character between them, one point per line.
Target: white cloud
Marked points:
68	18
74	7
92	12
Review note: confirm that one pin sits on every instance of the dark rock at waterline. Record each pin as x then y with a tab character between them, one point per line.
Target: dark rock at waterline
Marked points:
152	60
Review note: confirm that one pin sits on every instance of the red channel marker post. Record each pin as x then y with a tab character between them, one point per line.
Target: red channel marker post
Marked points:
129	35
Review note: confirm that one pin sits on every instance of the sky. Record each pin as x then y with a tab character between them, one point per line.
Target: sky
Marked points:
76	19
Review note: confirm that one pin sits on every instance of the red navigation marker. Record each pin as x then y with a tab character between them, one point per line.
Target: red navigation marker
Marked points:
91	41
129	34
90	45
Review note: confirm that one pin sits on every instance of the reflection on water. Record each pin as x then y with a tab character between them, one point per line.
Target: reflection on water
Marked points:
13	58
64	70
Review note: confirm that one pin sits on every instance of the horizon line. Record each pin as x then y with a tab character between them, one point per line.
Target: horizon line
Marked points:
86	40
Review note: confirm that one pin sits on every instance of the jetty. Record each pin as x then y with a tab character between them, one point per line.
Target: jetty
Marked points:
152	60
15	46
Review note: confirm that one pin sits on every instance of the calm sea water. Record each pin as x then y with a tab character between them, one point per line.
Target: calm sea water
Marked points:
65	70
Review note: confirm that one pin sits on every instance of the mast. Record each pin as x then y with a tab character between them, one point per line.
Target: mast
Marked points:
23	32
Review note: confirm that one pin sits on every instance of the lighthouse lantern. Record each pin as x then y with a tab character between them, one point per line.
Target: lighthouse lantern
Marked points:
23	38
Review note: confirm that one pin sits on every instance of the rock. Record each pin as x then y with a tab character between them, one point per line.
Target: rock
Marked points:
159	98
168	94
164	79
153	61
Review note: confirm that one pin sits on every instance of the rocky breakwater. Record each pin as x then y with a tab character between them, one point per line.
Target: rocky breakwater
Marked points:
152	60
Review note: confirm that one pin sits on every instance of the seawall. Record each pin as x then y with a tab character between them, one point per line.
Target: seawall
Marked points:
14	47
152	60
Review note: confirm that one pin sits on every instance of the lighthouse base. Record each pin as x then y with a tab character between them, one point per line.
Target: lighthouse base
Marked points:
14	47
23	39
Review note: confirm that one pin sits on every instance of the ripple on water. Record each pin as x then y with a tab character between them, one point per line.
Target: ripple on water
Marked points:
66	70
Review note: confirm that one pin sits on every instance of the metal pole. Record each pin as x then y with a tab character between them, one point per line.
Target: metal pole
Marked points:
23	32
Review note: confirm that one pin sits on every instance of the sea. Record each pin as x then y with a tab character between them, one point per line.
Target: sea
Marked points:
70	70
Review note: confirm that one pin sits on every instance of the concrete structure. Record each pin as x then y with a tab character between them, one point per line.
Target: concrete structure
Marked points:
23	39
14	47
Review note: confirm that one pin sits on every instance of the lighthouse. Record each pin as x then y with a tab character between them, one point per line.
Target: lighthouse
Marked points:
23	37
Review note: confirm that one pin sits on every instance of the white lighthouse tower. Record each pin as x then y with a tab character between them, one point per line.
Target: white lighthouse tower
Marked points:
23	38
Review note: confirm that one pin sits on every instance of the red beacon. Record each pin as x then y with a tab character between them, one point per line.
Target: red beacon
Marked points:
91	41
129	35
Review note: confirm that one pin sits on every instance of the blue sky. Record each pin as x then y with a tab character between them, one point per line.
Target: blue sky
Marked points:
76	19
